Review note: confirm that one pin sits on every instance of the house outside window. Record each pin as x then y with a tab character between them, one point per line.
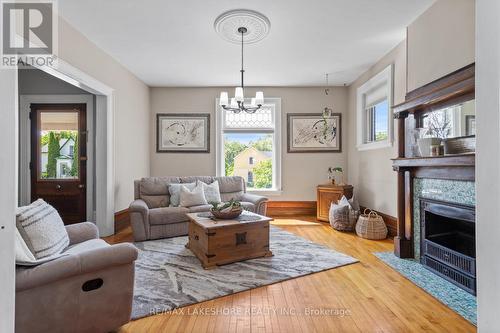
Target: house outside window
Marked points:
374	114
249	145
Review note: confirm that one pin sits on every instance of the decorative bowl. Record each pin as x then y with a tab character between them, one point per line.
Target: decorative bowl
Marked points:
227	214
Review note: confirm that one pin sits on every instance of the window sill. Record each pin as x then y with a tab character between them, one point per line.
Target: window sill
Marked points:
266	192
375	145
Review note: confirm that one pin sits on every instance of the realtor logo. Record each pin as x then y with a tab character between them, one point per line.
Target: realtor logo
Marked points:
28	33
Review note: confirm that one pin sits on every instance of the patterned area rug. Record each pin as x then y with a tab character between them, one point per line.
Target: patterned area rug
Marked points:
455	298
169	276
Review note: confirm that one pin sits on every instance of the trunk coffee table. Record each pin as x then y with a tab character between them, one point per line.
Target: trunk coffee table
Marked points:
218	242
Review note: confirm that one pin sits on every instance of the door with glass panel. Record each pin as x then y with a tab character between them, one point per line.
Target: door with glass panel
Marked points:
58	158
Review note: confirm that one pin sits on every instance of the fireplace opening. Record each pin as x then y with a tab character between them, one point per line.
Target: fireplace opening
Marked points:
448	246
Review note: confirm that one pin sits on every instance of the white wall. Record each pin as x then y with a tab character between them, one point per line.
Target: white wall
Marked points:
370	171
131	108
440	41
488	164
300	172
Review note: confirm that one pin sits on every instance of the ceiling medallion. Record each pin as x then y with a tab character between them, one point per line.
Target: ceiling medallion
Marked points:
227	24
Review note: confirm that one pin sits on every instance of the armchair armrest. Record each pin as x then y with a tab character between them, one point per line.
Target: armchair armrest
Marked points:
258	200
139	219
81	232
139	206
75	264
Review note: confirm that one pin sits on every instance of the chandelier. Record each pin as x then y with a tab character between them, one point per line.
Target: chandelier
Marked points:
237	103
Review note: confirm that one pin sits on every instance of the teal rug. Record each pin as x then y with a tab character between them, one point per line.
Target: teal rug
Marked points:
455	298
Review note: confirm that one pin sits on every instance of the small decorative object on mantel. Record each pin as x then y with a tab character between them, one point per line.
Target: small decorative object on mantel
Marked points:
227	211
183	133
371	226
333	173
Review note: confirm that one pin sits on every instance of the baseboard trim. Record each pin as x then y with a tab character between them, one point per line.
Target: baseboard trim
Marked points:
288	208
122	220
390	221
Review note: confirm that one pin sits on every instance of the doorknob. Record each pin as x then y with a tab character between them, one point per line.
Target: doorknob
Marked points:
58	187
81	186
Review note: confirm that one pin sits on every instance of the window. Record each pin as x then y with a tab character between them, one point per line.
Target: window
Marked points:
248	145
374	116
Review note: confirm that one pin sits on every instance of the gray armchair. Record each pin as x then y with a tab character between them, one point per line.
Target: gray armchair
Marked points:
152	217
89	289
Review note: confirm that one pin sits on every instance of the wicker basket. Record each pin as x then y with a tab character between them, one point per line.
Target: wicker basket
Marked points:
371	225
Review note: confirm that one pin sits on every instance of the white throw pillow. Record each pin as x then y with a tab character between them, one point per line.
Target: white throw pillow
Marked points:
192	198
42	229
175	189
212	192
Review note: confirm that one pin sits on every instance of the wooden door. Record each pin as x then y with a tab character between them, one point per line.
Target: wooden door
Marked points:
58	158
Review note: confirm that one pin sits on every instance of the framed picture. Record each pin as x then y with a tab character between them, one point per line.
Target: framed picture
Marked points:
314	133
183	133
470	125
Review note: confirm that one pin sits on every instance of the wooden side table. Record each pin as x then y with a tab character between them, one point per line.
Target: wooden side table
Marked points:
326	194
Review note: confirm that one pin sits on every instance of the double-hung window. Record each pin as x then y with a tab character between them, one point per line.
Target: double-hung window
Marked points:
249	145
374	115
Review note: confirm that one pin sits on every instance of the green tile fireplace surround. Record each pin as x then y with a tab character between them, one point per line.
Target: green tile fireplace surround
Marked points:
454	191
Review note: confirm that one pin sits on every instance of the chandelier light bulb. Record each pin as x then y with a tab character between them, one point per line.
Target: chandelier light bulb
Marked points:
259	98
234	104
224	99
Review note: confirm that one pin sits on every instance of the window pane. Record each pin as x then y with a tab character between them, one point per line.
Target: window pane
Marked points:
381	121
58	145
250	155
262	118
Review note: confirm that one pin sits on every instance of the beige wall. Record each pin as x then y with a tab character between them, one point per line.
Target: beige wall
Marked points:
440	41
370	171
300	172
131	107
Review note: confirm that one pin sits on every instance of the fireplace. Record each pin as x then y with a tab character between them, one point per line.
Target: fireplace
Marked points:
447	241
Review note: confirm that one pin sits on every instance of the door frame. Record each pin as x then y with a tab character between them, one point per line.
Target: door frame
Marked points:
25	102
104	142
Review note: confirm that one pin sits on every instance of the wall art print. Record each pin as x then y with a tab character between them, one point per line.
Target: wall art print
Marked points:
314	133
183	133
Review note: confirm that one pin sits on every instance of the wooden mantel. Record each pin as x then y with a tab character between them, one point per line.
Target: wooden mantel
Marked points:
452	89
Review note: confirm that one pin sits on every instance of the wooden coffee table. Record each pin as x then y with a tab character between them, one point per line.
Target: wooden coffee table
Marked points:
218	242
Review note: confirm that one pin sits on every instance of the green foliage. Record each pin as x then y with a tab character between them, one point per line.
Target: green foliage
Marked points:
44	139
53	154
263	174
381	136
263	144
76	159
231	149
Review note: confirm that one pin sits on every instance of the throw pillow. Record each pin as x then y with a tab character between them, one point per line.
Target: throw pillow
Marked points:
175	189
212	192
42	229
192	198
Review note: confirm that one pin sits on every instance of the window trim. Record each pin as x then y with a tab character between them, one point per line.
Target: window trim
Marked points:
383	77
219	142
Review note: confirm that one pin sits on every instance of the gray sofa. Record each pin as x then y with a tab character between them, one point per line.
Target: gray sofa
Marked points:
88	290
152	217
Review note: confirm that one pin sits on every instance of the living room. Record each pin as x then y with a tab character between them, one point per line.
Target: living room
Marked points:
167	174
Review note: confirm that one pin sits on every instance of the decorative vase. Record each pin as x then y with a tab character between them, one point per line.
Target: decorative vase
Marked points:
424	145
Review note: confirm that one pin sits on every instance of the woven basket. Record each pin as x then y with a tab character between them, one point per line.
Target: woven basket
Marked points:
371	225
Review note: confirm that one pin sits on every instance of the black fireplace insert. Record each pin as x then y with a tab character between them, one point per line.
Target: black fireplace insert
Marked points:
448	242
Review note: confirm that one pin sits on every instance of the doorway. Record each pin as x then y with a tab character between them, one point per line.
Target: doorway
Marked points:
58	165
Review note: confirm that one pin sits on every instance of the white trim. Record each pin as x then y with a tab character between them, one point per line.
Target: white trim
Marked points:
385	77
25	145
277	156
104	150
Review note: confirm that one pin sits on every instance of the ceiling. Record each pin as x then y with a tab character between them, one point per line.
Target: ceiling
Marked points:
173	43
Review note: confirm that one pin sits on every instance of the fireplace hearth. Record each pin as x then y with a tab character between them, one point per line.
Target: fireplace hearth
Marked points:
448	246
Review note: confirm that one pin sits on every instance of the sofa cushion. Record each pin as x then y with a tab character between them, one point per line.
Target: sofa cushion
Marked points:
154	192
41	227
90	244
167	215
200	208
193	197
211	191
175	192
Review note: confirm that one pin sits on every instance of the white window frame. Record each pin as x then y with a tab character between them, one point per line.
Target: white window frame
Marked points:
219	143
382	78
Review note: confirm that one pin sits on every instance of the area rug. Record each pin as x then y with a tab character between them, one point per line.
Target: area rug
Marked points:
455	298
168	275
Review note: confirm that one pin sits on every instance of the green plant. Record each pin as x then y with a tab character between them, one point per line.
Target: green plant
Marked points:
230	205
53	154
263	173
76	159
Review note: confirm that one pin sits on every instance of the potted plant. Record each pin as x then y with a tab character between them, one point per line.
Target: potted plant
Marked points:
229	210
333	172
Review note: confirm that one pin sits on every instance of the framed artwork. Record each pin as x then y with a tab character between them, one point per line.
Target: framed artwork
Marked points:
183	133
470	125
314	133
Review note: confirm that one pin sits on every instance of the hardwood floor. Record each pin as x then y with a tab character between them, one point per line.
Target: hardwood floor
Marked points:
367	296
